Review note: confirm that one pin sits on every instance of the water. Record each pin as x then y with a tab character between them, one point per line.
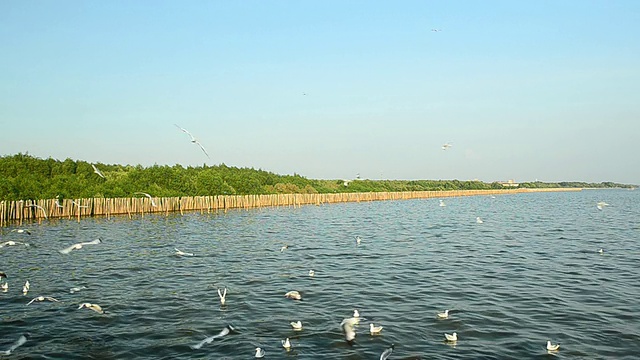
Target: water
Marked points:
530	273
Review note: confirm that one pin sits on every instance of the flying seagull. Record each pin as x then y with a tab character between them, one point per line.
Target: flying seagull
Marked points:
348	328
182	253
227	329
79	246
385	354
446	146
193	139
12	243
436	30
21	340
153	203
95	170
95	307
601	205
42	298
22	231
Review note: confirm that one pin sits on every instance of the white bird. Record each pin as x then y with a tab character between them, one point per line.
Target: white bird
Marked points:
286	344
44	212
296	325
312	273
443	315
601	205
21	340
552	347
601	251
12	243
5	287
442	204
478	220
42	298
223	296
153	203
346	182
452	337
182	253
374	329
22	231
293	295
282	249
348	328
436	30
358	240
79	246
95	307
356	314
446	146
76	289
95	170
385	354
227	329
193	140
25	288
259	353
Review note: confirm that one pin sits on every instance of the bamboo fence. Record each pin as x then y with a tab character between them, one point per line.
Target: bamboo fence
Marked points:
12	212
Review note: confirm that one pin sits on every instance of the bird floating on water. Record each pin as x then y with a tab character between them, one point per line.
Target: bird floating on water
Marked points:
259	353
227	329
374	330
293	295
182	253
551	347
443	315
601	251
5	287
193	140
356	314
153	203
42	298
13	243
222	296
436	30
25	288
286	344
478	220
21	340
296	325
21	231
312	273
601	205
95	307
358	240
97	171
385	354
451	337
79	246
76	289
442	204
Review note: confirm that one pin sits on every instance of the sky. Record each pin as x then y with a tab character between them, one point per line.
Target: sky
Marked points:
523	90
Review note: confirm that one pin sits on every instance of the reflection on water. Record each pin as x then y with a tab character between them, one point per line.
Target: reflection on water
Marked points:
530	272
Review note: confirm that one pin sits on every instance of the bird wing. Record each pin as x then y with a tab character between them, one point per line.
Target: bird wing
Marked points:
186	132
93	242
69	249
32	300
203	149
385	354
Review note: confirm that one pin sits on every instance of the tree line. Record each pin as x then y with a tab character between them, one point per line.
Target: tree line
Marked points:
25	177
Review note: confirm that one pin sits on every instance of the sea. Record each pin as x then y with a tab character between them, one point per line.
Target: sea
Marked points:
537	267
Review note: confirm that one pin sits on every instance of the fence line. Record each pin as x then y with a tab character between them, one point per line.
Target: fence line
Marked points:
12	212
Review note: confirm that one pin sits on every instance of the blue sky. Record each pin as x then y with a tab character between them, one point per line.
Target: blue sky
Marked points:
523	90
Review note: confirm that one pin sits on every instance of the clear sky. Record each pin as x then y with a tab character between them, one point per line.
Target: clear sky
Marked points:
523	90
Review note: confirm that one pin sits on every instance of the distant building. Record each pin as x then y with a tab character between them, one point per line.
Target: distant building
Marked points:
509	183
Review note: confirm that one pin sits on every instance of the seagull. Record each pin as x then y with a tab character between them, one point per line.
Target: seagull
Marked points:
22	231
312	273
5	287
193	140
182	253
453	337
223	296
25	288
42	298
259	353
446	146
44	212
442	204
296	325
153	203
358	240
95	307
21	340
78	205
601	205
374	330
293	295
79	246
348	327
601	251
385	354
346	182
356	314
282	249
227	329
76	289
95	170
478	220
286	344
12	243
443	315
436	30
551	347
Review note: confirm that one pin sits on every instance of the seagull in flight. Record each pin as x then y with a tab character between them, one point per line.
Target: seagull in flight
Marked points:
385	354
193	140
95	170
182	253
79	246
12	243
21	231
227	329
446	146
42	298
95	307
436	30
41	208
21	340
348	328
601	205
153	203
